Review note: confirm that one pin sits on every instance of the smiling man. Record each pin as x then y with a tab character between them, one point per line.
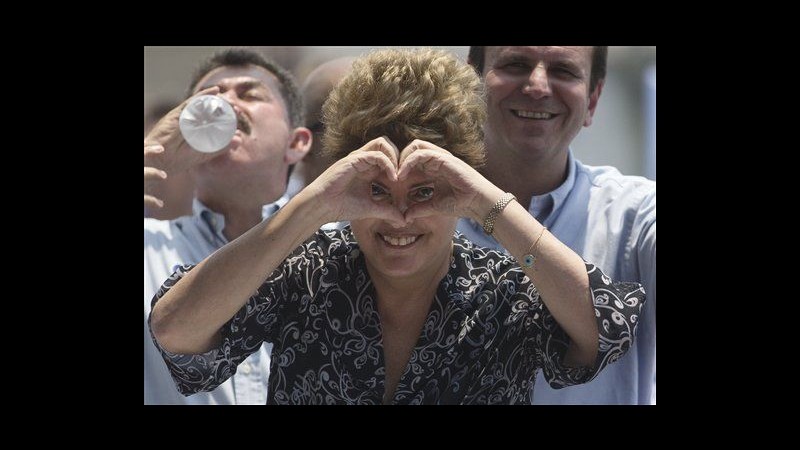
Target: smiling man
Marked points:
539	99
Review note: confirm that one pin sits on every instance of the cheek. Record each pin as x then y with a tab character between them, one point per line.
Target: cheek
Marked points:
499	87
268	116
362	228
494	87
578	100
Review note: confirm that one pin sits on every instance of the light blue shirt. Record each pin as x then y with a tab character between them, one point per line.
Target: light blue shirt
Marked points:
189	240
610	220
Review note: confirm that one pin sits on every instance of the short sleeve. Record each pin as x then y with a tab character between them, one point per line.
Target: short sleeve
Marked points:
617	306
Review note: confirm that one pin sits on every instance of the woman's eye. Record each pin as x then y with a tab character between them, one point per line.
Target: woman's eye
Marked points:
378	190
423	194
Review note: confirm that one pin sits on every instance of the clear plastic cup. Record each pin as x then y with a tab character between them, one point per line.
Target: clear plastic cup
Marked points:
208	123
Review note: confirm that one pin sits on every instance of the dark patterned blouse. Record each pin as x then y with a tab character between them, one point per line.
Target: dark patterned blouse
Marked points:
486	335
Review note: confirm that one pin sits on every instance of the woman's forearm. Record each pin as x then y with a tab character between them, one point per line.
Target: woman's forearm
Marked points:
187	319
560	276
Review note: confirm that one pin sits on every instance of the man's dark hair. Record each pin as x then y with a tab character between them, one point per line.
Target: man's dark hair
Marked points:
241	57
477	57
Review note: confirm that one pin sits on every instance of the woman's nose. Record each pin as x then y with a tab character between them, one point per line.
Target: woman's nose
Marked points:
401	204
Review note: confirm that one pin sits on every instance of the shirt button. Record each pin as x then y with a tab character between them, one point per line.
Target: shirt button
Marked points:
246	368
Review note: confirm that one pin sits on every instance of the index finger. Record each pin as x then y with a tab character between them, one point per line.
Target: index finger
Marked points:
384	145
212	90
414	146
389	149
368	162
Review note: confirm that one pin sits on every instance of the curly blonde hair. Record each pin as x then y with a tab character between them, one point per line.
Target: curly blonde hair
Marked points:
407	94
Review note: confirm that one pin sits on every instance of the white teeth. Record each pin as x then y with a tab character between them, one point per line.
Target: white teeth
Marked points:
534	115
399	241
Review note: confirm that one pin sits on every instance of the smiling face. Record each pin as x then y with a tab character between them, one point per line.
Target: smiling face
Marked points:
404	95
538	97
257	155
419	250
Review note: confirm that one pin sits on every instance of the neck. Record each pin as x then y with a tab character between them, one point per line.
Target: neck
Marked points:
238	218
531	176
237	223
301	172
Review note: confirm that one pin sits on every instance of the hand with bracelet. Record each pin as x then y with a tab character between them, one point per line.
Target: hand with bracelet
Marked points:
461	191
395	307
560	275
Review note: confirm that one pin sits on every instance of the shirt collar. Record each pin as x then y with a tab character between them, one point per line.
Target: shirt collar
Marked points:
208	220
560	194
214	222
271	208
543	206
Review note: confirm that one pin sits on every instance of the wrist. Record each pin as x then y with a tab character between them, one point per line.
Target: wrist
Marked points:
491	217
483	203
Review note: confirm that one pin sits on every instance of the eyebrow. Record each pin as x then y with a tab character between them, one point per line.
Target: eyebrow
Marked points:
515	56
428	183
250	84
423	184
244	85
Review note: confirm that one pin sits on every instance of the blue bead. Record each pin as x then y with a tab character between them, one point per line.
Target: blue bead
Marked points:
528	260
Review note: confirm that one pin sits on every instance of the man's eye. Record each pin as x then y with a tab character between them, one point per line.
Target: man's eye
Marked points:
252	95
565	72
378	190
422	194
516	67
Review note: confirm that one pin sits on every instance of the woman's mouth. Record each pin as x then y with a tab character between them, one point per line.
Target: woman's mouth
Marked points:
399	240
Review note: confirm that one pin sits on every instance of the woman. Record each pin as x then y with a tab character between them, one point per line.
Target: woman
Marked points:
394	308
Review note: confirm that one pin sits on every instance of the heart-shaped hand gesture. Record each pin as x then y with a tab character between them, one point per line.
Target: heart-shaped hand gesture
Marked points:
344	189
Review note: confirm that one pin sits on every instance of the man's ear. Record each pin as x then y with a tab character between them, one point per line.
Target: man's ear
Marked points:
299	145
594	98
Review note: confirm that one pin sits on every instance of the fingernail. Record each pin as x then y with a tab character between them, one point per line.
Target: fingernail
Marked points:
154	148
160	203
162	174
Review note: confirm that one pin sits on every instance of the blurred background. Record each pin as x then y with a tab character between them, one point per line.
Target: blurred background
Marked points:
623	133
